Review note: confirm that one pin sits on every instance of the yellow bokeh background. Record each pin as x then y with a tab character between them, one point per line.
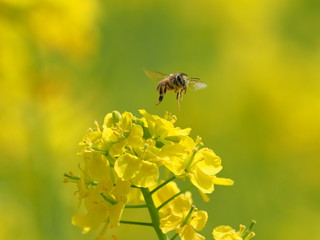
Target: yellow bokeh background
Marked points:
64	64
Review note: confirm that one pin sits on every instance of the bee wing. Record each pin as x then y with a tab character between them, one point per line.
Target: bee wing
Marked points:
196	85
155	76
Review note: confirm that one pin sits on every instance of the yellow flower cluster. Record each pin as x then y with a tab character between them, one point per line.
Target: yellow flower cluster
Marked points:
122	163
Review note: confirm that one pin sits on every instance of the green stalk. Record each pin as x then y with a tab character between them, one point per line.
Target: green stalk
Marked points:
248	231
71	177
108	199
163	184
174	237
153	213
174	196
185	221
137	223
76	179
136	206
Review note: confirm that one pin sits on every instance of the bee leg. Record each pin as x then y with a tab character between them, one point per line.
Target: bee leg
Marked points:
162	91
160	99
178	99
181	94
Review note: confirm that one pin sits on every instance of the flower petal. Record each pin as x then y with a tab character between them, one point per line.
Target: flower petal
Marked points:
207	161
127	166
223	181
147	176
199	220
187	232
202	181
225	232
164	193
92	219
115	213
135	137
125	122
170	222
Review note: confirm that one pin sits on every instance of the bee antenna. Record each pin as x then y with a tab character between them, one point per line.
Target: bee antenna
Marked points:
194	78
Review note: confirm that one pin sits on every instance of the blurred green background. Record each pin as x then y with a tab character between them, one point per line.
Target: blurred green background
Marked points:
64	64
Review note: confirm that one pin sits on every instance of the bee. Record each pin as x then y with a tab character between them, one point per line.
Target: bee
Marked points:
176	82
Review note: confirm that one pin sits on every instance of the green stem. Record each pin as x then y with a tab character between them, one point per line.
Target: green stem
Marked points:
136	206
190	161
137	223
253	222
75	178
174	196
97	149
163	184
108	199
188	216
247	231
185	221
71	177
153	213
174	236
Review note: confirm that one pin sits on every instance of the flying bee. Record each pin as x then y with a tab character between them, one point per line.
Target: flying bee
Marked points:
176	82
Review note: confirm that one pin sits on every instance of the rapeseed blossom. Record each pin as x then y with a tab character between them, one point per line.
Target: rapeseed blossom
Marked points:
186	158
228	233
122	164
179	214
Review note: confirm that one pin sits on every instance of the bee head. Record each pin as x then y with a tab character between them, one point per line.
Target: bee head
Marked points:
182	78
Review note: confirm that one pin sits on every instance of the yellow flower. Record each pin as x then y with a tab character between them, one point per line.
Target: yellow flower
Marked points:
135	196
91	220
117	127
147	176
164	193
140	172
178	155
228	233
127	151
96	165
121	133
162	130
94	141
201	166
96	172
97	210
127	166
188	233
104	203
173	214
179	214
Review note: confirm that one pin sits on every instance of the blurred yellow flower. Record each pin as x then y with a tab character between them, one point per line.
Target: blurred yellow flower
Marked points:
228	233
91	220
104	204
67	26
